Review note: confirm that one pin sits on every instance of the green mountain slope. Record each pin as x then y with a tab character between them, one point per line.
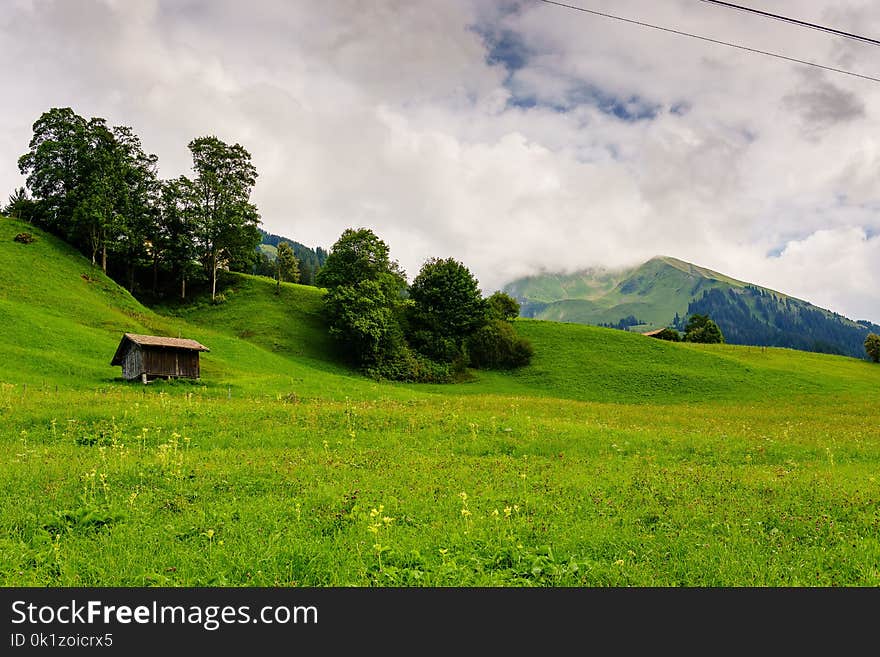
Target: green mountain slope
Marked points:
310	260
653	293
664	291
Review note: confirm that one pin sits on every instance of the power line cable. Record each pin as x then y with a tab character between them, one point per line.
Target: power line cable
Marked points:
794	21
717	41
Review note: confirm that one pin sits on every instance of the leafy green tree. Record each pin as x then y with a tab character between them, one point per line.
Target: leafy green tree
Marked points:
53	166
94	185
22	207
358	255
287	267
363	318
138	199
72	168
306	273
174	242
872	347
702	329
503	306
96	216
365	299
226	222
421	336
265	266
447	308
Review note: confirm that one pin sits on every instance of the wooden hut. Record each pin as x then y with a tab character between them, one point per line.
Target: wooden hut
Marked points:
150	356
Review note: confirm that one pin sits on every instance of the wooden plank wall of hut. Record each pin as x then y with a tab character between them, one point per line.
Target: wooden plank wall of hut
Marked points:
171	362
133	363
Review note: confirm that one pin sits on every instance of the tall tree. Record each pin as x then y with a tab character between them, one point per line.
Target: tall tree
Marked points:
175	242
358	255
92	183
98	198
364	298
53	166
872	347
227	223
448	308
137	201
287	268
306	273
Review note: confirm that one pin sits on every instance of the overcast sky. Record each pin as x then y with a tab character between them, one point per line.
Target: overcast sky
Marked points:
512	136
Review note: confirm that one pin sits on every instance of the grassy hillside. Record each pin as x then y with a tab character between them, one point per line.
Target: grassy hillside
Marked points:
613	460
66	324
282	319
62	318
63	326
589	363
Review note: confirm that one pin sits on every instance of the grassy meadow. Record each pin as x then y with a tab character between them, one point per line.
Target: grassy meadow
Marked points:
612	460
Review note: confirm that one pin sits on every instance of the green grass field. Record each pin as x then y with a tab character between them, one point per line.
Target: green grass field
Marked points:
613	460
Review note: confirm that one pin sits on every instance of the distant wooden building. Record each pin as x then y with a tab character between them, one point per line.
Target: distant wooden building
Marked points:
148	357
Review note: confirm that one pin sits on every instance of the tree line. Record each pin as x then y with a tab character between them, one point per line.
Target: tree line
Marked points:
756	316
309	261
698	328
94	186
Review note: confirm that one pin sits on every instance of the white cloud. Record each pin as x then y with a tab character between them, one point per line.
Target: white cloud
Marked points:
388	115
831	268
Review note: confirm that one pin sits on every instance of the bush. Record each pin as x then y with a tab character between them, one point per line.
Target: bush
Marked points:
668	334
25	238
404	364
497	346
503	306
434	346
218	299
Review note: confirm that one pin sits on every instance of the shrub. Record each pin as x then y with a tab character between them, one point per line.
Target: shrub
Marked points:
503	306
404	364
25	238
497	346
435	346
668	334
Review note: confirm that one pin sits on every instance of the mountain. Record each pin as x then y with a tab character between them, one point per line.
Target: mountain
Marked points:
664	291
310	260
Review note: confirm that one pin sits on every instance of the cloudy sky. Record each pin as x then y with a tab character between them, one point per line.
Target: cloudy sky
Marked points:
514	136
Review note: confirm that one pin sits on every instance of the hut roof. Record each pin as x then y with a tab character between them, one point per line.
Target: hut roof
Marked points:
155	341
